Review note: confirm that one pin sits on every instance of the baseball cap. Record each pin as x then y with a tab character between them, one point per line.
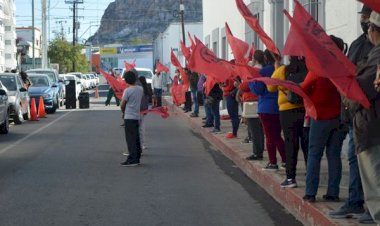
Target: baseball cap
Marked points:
375	18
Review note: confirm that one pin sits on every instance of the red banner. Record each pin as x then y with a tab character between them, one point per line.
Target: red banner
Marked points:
239	47
255	25
186	51
129	66
116	83
162	111
161	68
373	4
326	63
251	52
191	40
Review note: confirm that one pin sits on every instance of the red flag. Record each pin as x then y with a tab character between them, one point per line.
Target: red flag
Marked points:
178	65
186	51
239	47
309	106
191	40
246	72
311	26
204	61
129	66
325	63
178	93
118	85
255	25
162	111
161	68
209	84
251	52
373	4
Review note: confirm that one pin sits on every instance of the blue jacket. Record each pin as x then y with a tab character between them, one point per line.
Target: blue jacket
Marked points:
267	100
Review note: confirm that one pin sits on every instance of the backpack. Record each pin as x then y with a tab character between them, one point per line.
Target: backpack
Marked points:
297	78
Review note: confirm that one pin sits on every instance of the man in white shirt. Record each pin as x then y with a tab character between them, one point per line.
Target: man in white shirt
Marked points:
157	85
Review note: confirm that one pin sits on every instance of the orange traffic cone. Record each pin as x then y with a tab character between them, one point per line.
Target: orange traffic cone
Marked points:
96	92
33	111
41	108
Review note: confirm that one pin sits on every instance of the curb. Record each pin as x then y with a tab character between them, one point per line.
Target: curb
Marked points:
315	214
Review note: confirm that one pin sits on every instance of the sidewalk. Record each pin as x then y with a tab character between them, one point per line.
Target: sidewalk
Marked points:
309	214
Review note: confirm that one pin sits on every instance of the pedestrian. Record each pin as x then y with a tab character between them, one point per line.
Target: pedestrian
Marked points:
130	108
143	107
326	133
111	92
188	103
213	100
157	86
229	93
291	117
353	205
366	122
193	79
209	119
269	116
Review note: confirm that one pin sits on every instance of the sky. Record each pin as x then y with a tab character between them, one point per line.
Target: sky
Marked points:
90	13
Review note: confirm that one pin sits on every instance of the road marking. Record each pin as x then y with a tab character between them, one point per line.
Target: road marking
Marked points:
32	134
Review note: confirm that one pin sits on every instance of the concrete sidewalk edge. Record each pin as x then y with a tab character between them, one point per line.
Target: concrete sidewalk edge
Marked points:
291	199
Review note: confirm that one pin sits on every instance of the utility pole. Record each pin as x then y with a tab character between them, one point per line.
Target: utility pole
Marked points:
44	61
75	35
33	37
182	12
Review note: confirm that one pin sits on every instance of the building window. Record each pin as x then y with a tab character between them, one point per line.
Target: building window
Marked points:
8	42
224	48
8	28
8	56
278	24
315	8
215	48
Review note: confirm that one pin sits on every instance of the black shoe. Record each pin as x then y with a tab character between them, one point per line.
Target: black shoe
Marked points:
126	163
331	198
309	198
187	110
254	157
193	115
207	125
204	118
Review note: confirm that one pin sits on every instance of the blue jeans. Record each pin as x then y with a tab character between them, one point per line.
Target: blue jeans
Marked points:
158	97
216	114
355	189
233	112
194	96
324	134
209	115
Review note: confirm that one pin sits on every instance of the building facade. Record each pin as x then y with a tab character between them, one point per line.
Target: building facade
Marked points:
25	35
8	50
341	20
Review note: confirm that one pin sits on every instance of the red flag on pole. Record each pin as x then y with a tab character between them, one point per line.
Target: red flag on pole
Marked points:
255	25
239	47
118	85
178	65
191	40
186	51
251	52
373	4
161	68
325	63
129	66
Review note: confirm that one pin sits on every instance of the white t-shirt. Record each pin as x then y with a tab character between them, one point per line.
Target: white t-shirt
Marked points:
132	96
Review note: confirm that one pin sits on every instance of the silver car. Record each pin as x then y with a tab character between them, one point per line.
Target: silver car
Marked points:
4	110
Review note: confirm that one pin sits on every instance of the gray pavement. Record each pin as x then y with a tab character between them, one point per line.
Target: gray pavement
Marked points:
64	170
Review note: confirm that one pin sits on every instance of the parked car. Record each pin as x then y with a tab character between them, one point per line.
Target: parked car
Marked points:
93	80
4	110
57	83
18	97
81	77
42	86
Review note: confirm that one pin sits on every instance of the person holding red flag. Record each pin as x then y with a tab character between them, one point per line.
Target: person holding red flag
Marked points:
157	86
111	92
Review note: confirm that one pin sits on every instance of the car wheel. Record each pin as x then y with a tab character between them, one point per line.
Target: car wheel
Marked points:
26	116
56	104
4	128
18	117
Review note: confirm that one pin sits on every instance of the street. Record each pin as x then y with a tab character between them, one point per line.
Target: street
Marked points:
64	170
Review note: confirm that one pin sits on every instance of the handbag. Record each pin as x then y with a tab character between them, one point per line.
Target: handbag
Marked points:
250	110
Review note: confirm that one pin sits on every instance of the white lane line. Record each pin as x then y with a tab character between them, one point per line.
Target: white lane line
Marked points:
32	134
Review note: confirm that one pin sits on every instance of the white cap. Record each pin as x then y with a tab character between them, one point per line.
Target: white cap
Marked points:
375	18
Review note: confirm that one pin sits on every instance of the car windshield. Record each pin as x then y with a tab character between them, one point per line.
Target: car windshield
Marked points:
146	74
68	77
48	73
9	82
39	81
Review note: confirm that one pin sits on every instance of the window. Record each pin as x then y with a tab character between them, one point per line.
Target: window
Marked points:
8	56
224	48
278	23
315	8
8	42
8	28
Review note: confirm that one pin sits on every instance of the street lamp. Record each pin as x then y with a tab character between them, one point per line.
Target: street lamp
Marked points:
182	12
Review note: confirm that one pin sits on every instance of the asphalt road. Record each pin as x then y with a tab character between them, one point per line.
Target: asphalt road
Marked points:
64	170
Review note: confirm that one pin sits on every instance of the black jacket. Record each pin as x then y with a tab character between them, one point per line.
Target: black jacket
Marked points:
216	93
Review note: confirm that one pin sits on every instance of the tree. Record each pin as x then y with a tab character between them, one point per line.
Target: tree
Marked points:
64	54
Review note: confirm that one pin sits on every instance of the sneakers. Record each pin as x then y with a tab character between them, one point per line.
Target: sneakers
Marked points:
309	198
230	136
216	131
346	212
283	165
207	125
193	115
125	153
289	183
128	164
254	157
270	167
366	218
331	198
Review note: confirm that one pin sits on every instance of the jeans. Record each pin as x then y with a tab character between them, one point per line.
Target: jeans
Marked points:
273	139
157	97
233	112
256	130
355	189
131	128
216	114
209	115
324	134
188	101
194	95
292	127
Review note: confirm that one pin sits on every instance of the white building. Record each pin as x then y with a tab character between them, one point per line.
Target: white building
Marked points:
170	39
25	34
341	20
8	36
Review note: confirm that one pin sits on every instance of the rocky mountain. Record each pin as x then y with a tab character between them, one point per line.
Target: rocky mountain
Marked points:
140	21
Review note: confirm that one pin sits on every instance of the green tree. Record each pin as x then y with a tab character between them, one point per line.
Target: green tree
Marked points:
64	54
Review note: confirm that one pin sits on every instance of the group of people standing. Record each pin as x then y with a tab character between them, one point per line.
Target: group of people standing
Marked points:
284	124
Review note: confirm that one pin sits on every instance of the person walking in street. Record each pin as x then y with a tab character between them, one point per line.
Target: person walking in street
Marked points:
130	108
366	122
111	93
353	205
157	86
